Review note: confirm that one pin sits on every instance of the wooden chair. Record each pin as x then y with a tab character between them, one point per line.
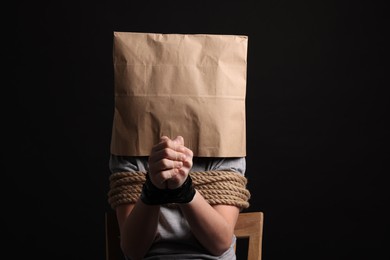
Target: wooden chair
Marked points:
249	226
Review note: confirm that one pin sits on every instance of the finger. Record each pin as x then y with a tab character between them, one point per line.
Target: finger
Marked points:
179	140
167	153
163	176
164	143
165	164
188	160
186	151
164	138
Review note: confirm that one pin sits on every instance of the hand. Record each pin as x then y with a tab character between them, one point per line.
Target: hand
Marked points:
169	163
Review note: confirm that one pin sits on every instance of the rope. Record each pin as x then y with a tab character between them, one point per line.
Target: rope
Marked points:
217	187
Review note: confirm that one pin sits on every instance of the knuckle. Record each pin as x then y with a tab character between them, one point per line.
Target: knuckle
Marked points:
165	163
165	152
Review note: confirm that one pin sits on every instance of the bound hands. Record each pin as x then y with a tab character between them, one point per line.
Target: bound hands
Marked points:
169	163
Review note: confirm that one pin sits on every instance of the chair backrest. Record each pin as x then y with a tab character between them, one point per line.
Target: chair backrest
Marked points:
249	226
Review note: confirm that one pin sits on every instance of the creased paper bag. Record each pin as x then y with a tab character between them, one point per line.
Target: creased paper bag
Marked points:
193	85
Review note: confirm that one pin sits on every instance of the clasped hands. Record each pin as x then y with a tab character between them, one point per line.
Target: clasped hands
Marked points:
169	163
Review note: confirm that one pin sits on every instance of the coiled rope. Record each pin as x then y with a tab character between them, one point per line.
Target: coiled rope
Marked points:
217	187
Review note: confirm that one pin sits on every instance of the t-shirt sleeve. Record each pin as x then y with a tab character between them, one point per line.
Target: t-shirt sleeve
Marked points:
119	163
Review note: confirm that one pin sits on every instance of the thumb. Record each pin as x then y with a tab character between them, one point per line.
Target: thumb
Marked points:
179	139
164	138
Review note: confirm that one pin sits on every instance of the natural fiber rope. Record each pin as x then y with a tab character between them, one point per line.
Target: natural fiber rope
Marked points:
217	187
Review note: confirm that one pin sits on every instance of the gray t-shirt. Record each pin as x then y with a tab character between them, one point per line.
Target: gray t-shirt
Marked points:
174	238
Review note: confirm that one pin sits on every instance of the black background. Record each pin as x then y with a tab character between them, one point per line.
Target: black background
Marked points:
316	114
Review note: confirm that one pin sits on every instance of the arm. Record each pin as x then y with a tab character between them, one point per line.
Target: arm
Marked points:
213	226
137	225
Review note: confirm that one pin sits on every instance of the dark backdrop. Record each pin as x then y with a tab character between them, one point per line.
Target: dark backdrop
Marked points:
316	153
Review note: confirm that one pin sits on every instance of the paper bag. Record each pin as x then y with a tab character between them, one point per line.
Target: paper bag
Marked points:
193	85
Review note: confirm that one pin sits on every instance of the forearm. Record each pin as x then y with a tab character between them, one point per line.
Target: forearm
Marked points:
138	229
212	226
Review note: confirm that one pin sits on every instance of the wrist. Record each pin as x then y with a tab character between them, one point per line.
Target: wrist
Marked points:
151	195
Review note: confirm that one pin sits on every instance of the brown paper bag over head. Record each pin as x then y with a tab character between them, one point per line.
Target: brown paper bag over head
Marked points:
193	85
